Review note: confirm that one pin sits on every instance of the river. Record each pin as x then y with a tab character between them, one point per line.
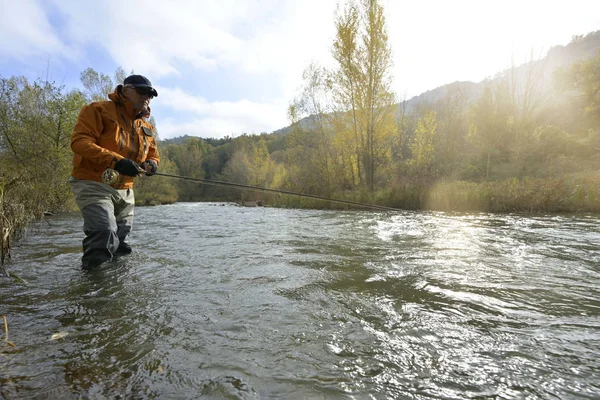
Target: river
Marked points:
226	302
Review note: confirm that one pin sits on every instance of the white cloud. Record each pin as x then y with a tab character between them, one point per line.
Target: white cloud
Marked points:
155	36
217	119
25	31
275	37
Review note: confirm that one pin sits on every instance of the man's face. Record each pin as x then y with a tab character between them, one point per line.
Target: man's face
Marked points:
139	96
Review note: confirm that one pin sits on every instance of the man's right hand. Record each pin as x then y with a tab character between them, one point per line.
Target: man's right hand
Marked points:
128	167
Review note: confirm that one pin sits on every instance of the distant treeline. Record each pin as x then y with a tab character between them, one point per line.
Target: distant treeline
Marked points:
526	140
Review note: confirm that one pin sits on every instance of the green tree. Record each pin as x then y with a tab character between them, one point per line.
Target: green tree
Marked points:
307	168
36	121
251	164
364	106
189	158
154	190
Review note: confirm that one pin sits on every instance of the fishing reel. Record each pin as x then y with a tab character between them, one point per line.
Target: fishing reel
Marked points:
110	176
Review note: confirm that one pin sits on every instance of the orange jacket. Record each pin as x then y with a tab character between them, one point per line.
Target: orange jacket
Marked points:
106	132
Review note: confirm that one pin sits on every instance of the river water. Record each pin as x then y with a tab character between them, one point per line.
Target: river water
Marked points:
227	302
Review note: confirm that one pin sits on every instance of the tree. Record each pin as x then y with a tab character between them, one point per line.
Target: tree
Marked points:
489	121
250	163
345	91
189	158
365	104
582	79
300	157
526	94
316	133
37	122
377	99
97	85
120	75
452	129
422	147
153	190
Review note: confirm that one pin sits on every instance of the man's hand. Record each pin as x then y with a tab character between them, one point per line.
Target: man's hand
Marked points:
128	167
150	167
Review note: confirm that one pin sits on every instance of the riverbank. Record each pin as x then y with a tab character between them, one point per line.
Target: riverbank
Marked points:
569	194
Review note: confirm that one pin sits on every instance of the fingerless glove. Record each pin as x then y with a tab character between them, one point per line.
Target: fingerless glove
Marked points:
154	168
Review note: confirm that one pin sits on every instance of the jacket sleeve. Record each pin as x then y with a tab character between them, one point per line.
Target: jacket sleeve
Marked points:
86	136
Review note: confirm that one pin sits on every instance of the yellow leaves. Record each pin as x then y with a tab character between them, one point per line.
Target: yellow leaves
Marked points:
348	134
8	342
422	144
279	176
251	164
59	335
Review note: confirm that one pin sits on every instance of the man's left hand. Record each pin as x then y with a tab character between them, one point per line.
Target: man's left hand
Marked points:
150	167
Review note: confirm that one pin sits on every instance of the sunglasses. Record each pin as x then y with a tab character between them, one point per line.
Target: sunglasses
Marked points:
144	92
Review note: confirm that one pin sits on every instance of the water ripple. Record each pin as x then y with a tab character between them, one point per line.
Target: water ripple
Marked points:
252	303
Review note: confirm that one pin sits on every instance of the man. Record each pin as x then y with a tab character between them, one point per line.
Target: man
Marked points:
112	134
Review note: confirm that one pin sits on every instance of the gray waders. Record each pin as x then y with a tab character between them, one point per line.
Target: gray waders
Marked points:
107	220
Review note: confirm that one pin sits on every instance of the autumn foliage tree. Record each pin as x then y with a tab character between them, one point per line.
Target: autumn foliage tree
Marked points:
359	132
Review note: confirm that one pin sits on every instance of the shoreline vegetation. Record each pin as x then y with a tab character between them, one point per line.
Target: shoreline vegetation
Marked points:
525	140
574	194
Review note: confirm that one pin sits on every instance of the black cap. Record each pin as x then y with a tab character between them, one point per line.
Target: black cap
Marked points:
140	81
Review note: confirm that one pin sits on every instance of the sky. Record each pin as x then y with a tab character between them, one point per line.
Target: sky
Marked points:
229	67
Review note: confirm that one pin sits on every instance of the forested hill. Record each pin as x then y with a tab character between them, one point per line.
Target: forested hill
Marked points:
580	47
182	139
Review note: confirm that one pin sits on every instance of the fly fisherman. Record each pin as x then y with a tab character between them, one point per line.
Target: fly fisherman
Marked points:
112	134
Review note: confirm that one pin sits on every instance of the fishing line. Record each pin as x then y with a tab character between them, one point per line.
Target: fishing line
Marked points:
250	187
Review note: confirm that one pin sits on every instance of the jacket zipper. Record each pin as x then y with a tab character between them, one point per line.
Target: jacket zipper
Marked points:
145	146
133	141
122	132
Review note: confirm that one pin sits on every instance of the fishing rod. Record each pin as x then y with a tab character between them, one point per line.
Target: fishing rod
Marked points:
250	187
110	176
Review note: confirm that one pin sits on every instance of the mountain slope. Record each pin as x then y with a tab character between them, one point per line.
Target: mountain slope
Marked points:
581	47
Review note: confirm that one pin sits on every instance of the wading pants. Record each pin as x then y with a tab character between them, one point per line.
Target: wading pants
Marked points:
107	219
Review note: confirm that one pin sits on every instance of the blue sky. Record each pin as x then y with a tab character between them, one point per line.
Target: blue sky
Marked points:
228	67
